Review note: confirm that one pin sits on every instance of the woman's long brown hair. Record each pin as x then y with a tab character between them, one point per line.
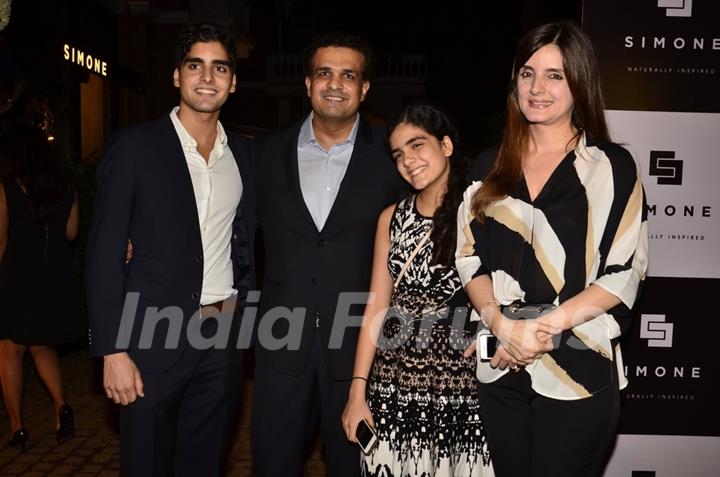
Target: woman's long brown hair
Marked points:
581	72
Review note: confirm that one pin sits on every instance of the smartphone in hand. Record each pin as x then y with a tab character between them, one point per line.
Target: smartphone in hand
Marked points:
487	345
366	437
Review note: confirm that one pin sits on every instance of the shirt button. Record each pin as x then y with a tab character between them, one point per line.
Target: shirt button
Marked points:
314	281
321	242
328	189
199	258
195	296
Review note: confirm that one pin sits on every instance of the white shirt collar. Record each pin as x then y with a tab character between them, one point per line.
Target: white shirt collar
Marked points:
586	152
307	133
188	142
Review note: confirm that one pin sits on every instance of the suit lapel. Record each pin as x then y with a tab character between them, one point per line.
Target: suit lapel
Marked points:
353	175
180	172
293	169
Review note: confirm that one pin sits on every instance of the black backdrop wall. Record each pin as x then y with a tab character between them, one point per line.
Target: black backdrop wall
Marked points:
660	65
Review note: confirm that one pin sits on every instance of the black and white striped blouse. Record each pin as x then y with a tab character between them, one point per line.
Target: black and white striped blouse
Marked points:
588	225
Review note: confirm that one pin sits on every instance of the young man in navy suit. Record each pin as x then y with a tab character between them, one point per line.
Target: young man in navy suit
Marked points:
321	185
180	189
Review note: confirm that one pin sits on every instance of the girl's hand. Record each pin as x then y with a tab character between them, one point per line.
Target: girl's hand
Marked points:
356	410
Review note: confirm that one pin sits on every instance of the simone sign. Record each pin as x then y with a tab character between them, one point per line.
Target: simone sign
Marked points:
657	55
86	60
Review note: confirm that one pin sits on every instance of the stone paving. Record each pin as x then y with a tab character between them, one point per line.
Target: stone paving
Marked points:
94	449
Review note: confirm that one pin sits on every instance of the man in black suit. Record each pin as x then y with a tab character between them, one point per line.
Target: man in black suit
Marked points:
321	185
181	191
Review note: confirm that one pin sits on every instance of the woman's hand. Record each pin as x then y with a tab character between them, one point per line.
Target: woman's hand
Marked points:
356	410
524	340
502	359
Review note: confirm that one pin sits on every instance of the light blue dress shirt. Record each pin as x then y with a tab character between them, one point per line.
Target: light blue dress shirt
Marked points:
322	171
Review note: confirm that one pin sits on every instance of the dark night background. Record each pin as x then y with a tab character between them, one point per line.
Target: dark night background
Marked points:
467	48
459	55
468	45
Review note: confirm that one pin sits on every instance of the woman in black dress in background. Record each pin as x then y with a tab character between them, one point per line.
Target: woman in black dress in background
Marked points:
38	217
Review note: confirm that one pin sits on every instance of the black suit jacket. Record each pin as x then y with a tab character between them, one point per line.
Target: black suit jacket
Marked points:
145	193
307	268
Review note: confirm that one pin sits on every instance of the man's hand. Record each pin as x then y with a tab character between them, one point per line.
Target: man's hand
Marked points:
121	379
129	252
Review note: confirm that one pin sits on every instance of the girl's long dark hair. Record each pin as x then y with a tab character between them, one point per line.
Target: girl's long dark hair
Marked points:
583	78
434	121
30	160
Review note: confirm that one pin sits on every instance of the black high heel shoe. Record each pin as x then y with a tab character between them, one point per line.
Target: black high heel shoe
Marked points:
67	424
19	439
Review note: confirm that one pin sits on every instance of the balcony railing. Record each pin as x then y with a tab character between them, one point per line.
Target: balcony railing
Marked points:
403	68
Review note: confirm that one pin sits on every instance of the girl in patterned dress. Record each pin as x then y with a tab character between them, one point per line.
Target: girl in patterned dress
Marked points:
411	381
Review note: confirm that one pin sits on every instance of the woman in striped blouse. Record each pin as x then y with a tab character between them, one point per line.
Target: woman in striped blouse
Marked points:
555	216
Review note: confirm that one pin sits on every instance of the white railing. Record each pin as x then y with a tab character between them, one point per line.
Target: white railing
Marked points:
404	68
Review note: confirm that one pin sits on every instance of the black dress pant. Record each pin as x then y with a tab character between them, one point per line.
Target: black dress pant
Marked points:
180	427
285	414
530	435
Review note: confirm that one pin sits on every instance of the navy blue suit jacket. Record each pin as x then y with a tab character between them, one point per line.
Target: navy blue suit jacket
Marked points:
145	193
307	268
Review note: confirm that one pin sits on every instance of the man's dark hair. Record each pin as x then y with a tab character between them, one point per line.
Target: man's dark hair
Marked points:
341	40
204	32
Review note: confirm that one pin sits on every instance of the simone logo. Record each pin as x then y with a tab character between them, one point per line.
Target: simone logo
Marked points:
667	169
683	42
81	58
676	8
654	329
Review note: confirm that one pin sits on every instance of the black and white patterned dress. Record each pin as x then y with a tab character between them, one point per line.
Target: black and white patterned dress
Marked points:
422	391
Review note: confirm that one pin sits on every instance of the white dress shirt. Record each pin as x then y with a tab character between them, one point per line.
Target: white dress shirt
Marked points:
218	188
